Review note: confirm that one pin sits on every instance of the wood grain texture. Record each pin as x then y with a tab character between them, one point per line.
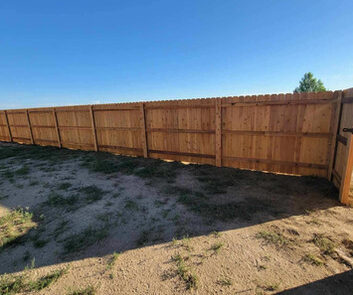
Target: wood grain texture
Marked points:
218	116
143	130
8	126
57	128
334	129
347	173
30	127
93	128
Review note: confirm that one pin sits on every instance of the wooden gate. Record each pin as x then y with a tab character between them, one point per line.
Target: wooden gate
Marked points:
341	174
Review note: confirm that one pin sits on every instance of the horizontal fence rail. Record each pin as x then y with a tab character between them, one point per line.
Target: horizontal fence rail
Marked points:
285	133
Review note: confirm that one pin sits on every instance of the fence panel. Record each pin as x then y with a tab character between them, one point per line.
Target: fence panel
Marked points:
285	133
342	169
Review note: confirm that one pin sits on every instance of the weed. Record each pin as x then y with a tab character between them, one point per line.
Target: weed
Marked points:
34	182
26	256
11	284
88	237
39	243
116	195
113	260
8	174
20	284
165	212
131	205
24	170
56	200
64	186
108	204
312	259
61	228
271	287
185	242
174	242
261	267
3	197
274	238
201	204
100	164
45	281
325	245
185	273
217	247
14	225
86	291
349	245
225	282
216	234
92	193
144	238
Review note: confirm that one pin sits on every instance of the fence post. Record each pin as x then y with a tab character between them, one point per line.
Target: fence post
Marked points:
57	128
143	130
93	128
347	172
218	134
8	126
30	127
334	129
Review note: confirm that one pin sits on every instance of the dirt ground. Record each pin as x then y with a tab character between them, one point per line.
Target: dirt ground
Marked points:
124	225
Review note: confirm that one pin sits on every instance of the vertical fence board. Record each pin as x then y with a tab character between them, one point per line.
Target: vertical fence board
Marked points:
30	127
8	126
218	133
93	129
336	115
57	128
347	173
143	130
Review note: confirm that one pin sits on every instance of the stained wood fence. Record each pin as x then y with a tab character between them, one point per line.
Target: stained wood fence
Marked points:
286	133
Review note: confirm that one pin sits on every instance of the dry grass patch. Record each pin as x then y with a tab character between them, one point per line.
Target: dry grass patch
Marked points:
274	238
19	284
325	244
14	225
313	259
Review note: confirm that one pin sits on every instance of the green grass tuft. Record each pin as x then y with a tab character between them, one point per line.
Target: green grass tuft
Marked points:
85	291
272	237
20	284
185	273
88	237
92	193
113	260
64	186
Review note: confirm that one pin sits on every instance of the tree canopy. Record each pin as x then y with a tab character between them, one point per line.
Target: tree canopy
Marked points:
310	84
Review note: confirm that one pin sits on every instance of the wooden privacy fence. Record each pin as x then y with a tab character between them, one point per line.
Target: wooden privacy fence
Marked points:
286	133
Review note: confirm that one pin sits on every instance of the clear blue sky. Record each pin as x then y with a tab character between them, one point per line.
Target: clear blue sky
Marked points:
80	52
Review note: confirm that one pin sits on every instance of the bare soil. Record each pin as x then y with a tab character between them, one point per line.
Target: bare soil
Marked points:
174	228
